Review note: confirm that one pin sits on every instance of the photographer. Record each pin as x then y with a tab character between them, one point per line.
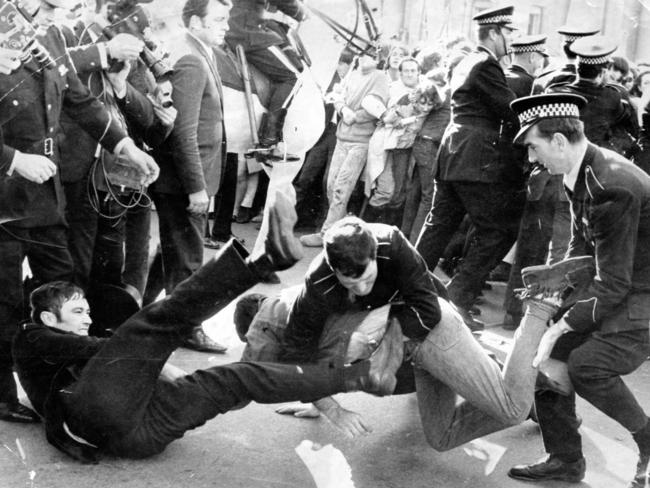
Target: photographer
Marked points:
37	230
100	211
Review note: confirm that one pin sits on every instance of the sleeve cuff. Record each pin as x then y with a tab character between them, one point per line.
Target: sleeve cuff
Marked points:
103	55
120	145
12	166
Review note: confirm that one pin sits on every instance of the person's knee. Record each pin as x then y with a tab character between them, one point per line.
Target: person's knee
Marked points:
583	372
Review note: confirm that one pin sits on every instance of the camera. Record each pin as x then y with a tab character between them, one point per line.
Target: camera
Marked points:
127	16
18	31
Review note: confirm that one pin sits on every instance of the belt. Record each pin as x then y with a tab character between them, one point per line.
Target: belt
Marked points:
48	146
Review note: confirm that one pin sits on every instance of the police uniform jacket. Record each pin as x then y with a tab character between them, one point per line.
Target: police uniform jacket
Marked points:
480	103
33	124
605	112
610	208
567	74
248	27
402	277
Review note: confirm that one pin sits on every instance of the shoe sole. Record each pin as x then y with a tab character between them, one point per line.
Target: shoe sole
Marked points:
572	265
569	479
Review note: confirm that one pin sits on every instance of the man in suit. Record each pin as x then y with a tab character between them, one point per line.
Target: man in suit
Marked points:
32	203
191	158
604	335
473	177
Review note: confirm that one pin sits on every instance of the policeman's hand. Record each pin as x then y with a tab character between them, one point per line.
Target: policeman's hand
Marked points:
9	60
302	410
33	167
118	79
550	337
167	116
124	47
142	161
199	202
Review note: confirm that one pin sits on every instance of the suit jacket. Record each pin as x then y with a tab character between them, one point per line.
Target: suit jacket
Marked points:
191	159
247	26
480	104
402	276
610	208
33	127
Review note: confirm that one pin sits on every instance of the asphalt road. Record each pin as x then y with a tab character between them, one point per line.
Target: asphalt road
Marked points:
255	447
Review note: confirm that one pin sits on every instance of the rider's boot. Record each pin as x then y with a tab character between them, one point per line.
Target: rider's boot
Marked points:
270	137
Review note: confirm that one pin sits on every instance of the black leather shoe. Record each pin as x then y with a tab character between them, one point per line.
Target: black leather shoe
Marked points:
199	341
551	469
16	412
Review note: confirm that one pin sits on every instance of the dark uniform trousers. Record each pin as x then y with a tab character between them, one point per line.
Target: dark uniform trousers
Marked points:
494	209
610	209
120	404
474	176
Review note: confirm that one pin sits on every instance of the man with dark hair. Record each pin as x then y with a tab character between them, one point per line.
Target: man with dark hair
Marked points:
447	364
472	176
192	157
604	335
113	395
33	224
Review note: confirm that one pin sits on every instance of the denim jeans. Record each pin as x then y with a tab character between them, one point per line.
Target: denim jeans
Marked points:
348	161
122	405
451	363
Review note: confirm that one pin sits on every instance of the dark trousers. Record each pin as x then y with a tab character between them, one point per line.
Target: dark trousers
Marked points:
419	195
82	230
136	247
47	253
596	362
282	78
493	208
119	402
310	181
224	200
181	238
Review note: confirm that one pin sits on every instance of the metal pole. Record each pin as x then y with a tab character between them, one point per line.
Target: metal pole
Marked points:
248	92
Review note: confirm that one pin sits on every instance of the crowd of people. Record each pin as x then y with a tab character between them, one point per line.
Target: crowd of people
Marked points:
464	156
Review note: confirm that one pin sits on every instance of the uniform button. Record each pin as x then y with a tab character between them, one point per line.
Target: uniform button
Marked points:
49	106
51	129
15	102
368	307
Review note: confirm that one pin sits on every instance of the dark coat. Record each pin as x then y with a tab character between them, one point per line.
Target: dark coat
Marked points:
480	104
37	125
402	276
247	26
610	208
607	111
563	76
191	159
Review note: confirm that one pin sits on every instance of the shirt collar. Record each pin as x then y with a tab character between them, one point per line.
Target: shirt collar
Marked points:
200	42
571	177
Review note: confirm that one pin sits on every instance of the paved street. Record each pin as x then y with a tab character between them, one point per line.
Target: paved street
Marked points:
254	447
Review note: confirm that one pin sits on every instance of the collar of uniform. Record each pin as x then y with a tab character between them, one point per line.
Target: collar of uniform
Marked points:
516	67
487	50
574	179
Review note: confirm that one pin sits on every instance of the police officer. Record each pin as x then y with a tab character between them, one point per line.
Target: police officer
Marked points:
568	72
472	175
267	48
535	228
604	335
32	207
608	112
